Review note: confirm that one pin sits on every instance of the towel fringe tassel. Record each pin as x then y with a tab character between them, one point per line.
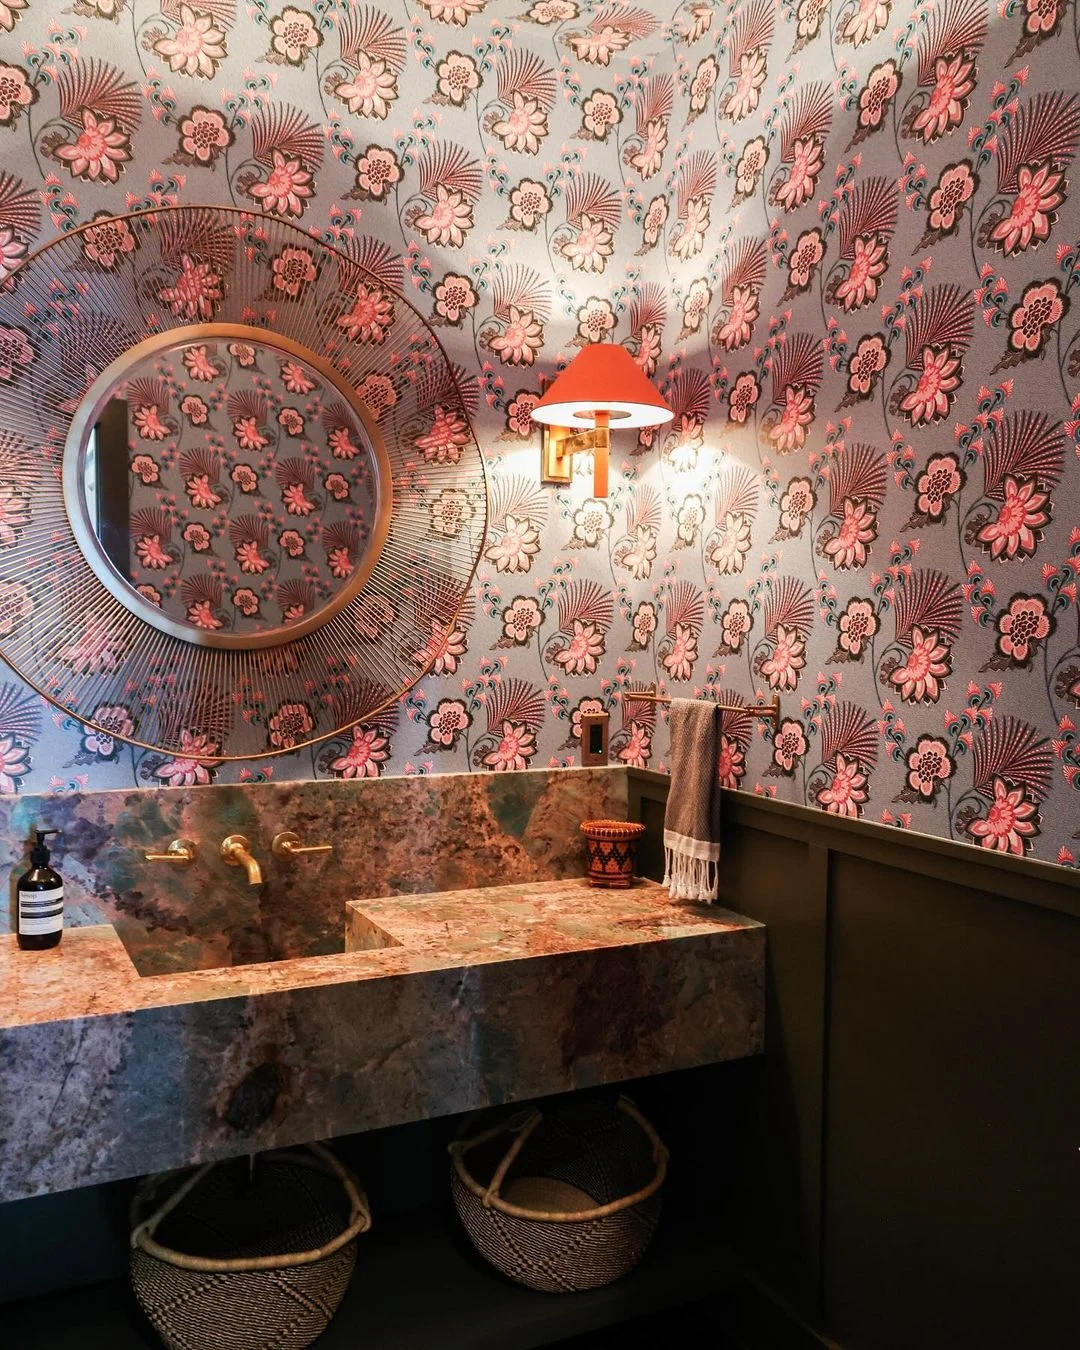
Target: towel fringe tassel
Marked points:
690	878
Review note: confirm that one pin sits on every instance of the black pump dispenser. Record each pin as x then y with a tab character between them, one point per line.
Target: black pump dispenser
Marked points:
40	895
39	854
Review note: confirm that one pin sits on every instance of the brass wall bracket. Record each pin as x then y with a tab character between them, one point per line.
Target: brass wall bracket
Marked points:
559	445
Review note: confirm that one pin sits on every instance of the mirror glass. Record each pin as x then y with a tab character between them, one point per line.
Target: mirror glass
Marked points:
231	489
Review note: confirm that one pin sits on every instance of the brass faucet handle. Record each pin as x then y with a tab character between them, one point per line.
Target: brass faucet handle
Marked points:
286	844
181	853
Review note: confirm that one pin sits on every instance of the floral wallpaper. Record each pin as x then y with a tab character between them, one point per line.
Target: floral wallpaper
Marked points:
841	237
250	491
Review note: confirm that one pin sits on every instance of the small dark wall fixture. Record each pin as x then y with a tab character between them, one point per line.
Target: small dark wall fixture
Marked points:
595	729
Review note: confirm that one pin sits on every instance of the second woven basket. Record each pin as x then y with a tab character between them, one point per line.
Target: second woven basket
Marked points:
562	1200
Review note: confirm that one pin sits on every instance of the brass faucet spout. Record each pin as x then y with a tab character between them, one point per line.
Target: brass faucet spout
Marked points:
237	853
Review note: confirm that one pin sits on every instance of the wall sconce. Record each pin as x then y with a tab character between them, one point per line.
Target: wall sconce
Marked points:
603	386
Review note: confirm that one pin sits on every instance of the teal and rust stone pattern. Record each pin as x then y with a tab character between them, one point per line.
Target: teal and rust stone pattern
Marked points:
440	1003
390	835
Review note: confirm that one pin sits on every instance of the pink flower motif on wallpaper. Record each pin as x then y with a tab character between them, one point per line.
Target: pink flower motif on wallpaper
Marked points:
290	725
443	650
1011	822
190	766
848	546
446	723
582	653
956	186
805	256
931	398
869	359
521	619
371	316
377	172
937	485
635	754
1017	528
858	624
929	765
846	792
286	189
195	293
368	751
877	94
109	243
860	286
929	662
515	548
204	135
788	657
196	47
449	219
731	767
864	19
1041	307
789	745
100	150
1040	191
679	660
1022	627
516	747
954	80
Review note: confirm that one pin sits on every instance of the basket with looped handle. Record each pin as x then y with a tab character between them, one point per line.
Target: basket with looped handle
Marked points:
563	1200
247	1255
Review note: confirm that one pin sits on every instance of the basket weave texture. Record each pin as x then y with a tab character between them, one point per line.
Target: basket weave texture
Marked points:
247	1256
564	1200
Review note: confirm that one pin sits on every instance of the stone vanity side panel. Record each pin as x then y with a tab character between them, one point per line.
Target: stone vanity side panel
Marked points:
390	835
104	1097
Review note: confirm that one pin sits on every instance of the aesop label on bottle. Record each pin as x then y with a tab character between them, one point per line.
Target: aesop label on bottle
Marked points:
41	911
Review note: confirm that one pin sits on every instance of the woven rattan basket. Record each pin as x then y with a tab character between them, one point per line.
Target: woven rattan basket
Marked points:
562	1200
248	1254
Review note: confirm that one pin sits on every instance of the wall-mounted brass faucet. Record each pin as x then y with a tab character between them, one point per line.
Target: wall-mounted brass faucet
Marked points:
236	852
181	853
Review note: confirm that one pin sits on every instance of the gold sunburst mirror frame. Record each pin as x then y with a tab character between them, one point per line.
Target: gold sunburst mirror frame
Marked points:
84	318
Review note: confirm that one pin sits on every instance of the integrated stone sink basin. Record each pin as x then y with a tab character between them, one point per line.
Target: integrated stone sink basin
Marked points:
439	1003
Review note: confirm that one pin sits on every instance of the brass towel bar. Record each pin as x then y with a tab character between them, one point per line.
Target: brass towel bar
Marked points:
769	711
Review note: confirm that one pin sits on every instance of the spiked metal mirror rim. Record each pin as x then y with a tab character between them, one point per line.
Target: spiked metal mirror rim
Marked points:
80	314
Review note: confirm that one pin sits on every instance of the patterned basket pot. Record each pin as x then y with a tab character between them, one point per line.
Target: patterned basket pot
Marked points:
612	850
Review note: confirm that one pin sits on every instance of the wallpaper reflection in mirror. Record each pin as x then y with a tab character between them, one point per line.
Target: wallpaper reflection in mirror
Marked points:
231	487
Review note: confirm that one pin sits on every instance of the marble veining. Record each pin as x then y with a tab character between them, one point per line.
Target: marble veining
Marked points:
444	1002
390	836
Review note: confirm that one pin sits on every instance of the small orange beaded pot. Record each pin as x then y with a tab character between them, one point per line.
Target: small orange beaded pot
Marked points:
612	850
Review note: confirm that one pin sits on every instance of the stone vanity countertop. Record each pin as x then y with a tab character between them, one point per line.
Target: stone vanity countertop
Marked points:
440	1004
90	973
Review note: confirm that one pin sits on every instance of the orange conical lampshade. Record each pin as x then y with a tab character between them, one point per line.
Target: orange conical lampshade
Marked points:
603	377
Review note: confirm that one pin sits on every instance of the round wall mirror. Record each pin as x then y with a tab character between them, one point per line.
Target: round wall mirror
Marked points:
240	494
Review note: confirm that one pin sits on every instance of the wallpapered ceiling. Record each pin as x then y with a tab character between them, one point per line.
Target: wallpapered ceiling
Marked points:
840	238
